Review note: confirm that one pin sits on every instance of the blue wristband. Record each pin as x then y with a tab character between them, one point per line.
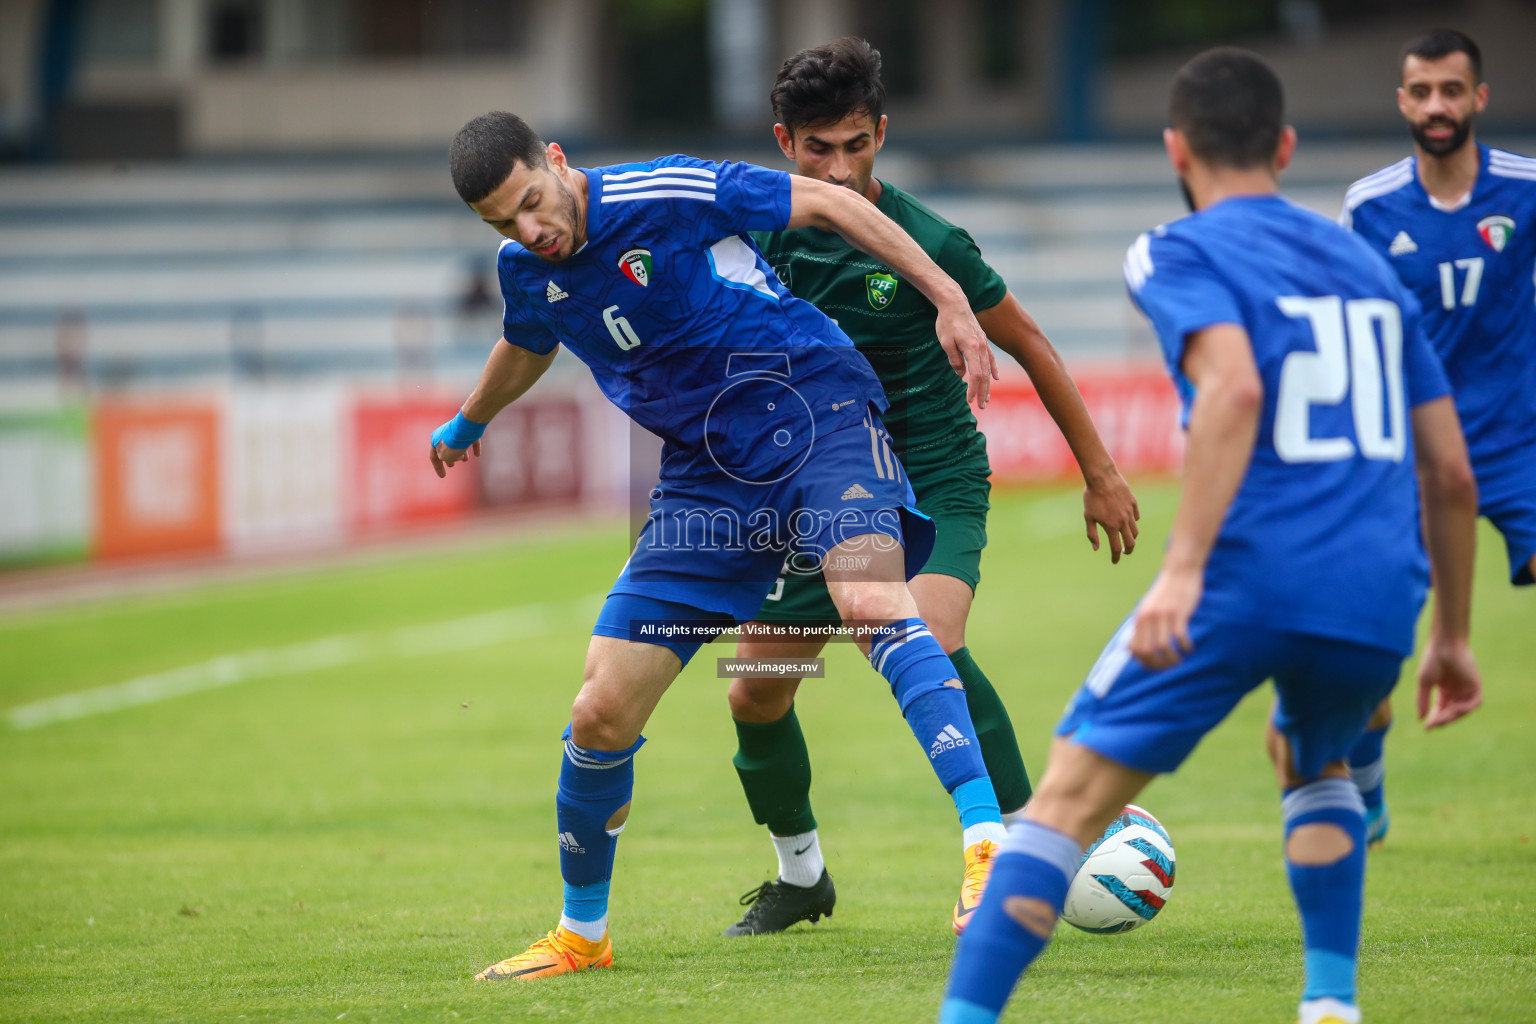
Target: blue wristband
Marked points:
459	432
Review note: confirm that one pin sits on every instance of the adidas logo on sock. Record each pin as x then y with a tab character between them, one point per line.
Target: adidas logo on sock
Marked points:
554	293
1402	245
568	843
856	491
948	739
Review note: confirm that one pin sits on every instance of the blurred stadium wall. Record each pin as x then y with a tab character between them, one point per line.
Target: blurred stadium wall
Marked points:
237	291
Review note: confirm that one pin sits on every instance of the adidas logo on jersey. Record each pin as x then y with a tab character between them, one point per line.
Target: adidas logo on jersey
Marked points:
568	843
1402	245
856	491
554	293
948	739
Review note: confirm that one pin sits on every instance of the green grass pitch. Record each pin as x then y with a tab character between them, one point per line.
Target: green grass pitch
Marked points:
365	817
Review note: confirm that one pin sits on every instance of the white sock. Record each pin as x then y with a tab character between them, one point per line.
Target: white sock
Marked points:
973	834
1009	817
800	861
592	931
1313	1010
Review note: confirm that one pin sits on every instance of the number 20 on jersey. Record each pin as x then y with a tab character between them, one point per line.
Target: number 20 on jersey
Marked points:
1347	364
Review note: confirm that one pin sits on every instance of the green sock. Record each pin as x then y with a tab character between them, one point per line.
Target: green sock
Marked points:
994	731
775	770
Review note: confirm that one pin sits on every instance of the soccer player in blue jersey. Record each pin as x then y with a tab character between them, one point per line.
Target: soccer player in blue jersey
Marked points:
1457	221
1310	395
773	444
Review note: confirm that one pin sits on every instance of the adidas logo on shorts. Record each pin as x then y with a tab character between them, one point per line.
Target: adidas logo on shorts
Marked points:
568	843
856	491
948	739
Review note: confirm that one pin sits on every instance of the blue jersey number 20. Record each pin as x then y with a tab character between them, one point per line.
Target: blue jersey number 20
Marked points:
1347	363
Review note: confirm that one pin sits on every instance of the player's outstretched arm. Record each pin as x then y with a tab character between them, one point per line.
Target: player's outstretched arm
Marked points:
1223	423
818	204
509	371
1107	499
1449	489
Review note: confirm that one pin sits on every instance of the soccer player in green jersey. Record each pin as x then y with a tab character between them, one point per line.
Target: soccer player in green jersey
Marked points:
829	103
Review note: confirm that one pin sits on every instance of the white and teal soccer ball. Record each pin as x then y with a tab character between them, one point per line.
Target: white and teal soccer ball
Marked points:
1125	877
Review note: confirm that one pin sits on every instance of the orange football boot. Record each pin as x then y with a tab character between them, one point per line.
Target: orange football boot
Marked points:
979	858
559	952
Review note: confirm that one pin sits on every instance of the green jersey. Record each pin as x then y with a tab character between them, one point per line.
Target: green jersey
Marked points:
892	322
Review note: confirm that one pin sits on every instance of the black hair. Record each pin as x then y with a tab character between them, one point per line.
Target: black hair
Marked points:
1229	105
485	151
827	83
1443	42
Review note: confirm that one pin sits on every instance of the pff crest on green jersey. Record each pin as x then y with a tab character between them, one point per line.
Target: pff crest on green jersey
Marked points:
880	289
636	265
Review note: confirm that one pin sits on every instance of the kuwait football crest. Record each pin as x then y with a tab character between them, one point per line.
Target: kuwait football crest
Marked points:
880	288
636	265
1496	231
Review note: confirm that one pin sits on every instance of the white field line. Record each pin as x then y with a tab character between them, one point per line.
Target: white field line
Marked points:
483	630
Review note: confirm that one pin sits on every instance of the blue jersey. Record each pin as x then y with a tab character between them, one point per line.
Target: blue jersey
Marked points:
1471	269
1322	536
684	325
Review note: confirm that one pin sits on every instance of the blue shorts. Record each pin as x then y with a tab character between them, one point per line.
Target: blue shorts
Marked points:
1506	492
1151	719
712	548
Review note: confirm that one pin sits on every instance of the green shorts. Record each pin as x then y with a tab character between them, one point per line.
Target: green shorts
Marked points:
953	491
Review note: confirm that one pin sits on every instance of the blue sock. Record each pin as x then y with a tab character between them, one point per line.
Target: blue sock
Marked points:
594	784
928	690
1367	765
1329	897
1037	863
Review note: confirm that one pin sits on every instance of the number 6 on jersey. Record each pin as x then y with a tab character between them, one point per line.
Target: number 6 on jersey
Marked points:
619	327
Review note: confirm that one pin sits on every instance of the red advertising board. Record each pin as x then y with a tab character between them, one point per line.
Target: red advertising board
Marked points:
533	454
1135	410
393	482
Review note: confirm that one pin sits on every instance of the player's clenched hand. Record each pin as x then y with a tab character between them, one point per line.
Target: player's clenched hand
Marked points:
1451	671
444	456
1161	637
965	343
1108	502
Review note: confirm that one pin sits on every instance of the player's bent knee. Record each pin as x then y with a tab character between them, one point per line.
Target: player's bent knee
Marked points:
598	724
1033	915
761	701
1318	844
874	602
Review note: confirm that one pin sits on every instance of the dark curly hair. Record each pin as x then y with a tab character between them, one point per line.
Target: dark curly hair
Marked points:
826	83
